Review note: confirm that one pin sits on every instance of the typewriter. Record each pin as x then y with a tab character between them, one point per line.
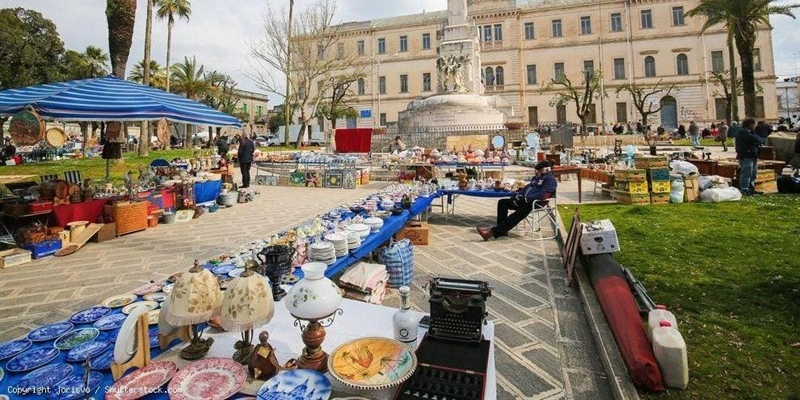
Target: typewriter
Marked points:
458	309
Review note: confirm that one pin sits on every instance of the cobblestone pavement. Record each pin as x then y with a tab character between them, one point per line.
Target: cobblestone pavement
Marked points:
545	345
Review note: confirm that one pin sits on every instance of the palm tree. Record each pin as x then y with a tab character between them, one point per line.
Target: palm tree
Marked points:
121	17
96	62
190	82
169	9
742	18
158	78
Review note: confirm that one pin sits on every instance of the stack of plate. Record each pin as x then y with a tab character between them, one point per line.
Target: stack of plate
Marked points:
322	251
339	241
353	240
374	223
361	229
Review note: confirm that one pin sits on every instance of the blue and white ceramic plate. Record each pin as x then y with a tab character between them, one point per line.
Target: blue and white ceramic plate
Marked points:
43	377
14	347
73	387
70	340
89	315
111	321
156	296
2	374
296	384
49	332
88	349
153	336
146	305
223	269
32	359
102	361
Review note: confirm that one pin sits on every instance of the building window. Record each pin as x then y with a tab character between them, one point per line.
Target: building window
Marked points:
588	66
531	70
498	76
362	87
319	86
529	33
533	116
340	49
622	112
487	33
721	108
586	25
403	83
382	85
381	46
649	66
557	28
616	22
647	19
244	109
759	111
757	60
320	52
426	82
489	76
561	114
683	64
259	110
591	116
403	44
426	41
498	33
677	16
619	68
558	70
717	61
383	119
360	47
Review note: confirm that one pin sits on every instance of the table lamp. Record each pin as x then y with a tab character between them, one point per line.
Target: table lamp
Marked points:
247	304
195	298
313	299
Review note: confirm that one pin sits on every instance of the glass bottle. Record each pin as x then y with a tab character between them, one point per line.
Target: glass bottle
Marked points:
405	321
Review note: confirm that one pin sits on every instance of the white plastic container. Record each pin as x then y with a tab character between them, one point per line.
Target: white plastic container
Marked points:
670	351
654	318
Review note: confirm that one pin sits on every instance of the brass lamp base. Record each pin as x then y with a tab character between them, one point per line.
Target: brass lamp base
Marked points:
244	348
198	348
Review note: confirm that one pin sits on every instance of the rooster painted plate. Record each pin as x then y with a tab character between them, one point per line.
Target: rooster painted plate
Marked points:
372	363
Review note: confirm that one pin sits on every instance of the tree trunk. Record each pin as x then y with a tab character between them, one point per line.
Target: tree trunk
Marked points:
745	47
85	133
286	102
121	17
2	129
144	134
169	50
734	98
187	138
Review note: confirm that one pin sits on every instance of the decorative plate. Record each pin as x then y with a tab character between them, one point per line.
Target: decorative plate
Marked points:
146	305
209	378
89	315
49	332
88	349
125	345
156	296
72	339
372	363
142	381
14	347
152	316
102	361
2	373
111	321
44	377
73	387
148	288
296	384
236	272
32	359
153	333
223	269
120	300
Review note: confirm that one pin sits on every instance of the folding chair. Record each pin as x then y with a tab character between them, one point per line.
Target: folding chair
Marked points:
548	210
50	177
73	177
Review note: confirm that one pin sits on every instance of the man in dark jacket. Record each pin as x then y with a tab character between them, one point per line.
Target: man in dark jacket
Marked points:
245	156
763	129
222	145
542	186
747	144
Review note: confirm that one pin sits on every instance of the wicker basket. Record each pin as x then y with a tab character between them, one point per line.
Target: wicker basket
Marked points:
129	217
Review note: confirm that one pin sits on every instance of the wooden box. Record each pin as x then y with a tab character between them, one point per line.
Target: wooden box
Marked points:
128	217
660	187
633	175
631	187
106	233
765	175
13	257
659	198
767	187
658	174
651	162
691	186
415	231
633	198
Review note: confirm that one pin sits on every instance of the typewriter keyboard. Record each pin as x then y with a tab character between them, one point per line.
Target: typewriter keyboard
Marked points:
456	328
430	382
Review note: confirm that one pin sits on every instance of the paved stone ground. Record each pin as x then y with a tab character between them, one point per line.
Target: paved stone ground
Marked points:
546	347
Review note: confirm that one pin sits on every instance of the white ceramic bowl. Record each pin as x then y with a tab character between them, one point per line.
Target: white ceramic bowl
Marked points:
361	229
374	223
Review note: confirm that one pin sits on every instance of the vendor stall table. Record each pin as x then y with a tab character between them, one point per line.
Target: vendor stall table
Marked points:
84	211
480	168
449	208
559	171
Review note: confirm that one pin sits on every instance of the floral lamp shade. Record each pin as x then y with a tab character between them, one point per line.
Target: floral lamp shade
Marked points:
314	297
247	303
195	298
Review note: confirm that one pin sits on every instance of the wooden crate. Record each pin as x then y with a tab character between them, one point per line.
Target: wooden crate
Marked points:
691	188
106	233
633	198
660	187
767	187
632	175
659	198
765	175
128	217
631	187
651	162
658	174
13	257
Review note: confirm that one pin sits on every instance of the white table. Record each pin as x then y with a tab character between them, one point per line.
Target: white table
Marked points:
359	320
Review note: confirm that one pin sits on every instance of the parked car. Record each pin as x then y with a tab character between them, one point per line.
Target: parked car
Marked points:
267	140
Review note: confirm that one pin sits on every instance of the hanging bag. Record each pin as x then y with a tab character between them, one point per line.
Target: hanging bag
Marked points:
399	260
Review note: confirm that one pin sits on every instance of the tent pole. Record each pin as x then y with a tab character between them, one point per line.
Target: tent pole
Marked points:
108	162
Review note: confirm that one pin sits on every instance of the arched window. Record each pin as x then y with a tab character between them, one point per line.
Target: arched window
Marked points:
649	66
498	76
683	64
489	76
361	87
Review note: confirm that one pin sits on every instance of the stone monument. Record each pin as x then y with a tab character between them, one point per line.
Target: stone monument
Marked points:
459	103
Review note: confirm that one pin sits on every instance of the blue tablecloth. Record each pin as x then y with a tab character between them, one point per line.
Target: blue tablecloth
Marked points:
421	205
207	191
390	226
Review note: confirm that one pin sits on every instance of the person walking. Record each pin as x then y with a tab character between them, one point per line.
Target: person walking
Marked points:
245	157
722	135
694	134
747	144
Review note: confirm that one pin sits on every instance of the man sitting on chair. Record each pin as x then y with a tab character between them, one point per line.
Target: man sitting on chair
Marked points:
542	187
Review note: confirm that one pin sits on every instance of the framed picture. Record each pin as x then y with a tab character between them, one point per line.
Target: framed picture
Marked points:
349	178
333	179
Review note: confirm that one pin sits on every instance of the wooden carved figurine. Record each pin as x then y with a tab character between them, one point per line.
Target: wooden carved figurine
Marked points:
263	362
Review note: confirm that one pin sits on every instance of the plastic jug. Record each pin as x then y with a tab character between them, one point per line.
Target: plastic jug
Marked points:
670	351
654	318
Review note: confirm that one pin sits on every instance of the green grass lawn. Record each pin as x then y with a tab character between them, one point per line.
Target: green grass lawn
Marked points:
731	274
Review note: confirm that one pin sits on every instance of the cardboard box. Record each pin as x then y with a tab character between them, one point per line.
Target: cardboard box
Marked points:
13	257
42	249
660	187
107	232
658	174
659	198
415	231
691	184
633	175
598	237
632	198
631	187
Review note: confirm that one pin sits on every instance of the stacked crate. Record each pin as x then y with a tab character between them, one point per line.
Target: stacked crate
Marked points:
766	181
631	186
658	180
